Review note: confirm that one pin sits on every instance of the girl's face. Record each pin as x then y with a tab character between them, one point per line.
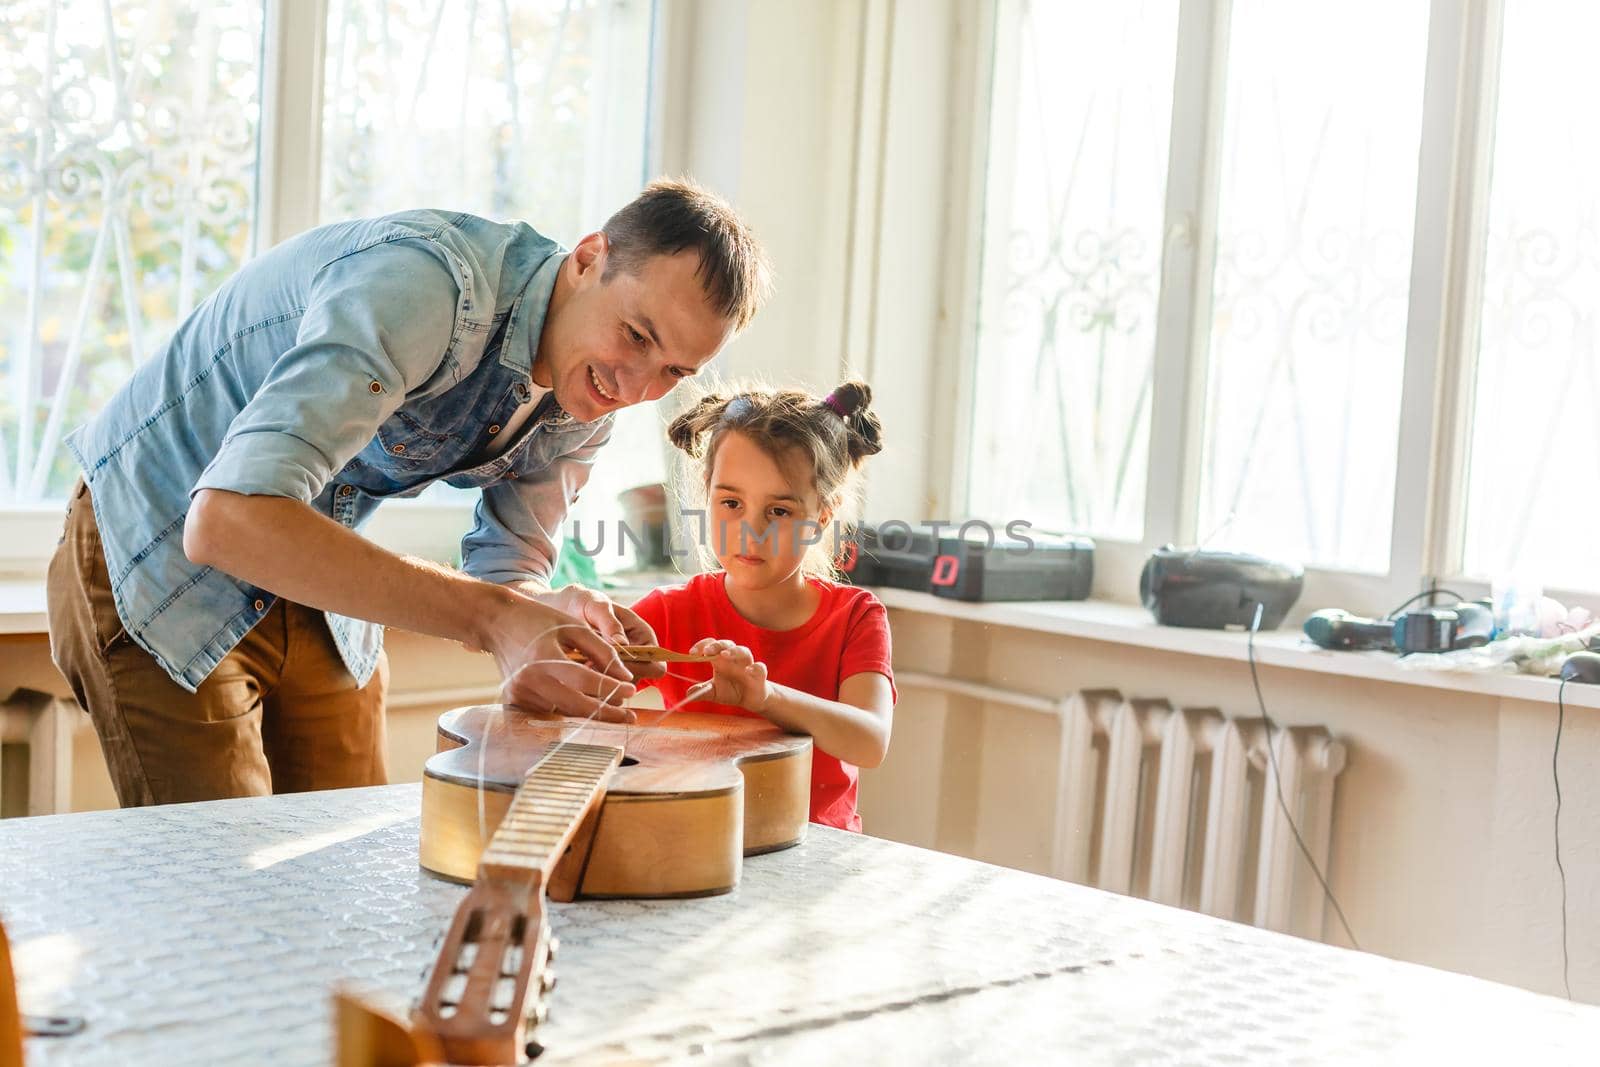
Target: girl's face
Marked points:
764	515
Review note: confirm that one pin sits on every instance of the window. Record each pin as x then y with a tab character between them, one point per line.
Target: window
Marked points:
1315	212
533	110
530	109
1072	259
1227	316
129	143
127	193
1532	506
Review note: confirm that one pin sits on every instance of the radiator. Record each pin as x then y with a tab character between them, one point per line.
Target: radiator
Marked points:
1177	805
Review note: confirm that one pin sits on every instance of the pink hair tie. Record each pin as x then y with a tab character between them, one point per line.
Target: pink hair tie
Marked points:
834	404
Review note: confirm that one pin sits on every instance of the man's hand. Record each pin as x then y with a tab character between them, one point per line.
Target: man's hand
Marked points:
530	641
612	621
736	678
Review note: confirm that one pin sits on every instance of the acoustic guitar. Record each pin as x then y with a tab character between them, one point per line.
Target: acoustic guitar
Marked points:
527	808
694	794
10	1016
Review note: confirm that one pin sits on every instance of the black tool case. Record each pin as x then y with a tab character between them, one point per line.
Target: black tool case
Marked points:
1048	569
900	558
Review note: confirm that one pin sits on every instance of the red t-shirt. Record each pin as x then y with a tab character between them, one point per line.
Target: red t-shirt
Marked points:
848	634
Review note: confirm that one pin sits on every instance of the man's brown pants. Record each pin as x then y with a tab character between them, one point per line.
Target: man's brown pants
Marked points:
279	714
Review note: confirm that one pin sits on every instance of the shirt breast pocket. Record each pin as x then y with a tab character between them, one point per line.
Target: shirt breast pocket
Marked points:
405	440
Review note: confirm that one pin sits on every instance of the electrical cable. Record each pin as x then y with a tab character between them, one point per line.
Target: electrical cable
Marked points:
1277	782
1425	593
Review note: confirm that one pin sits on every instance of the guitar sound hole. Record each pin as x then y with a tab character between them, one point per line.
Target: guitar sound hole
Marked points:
629	761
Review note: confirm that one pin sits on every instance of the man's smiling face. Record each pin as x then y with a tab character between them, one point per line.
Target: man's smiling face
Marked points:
612	342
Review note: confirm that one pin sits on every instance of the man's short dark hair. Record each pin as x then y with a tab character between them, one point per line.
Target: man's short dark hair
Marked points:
673	215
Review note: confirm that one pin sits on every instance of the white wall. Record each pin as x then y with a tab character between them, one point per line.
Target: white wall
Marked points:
758	105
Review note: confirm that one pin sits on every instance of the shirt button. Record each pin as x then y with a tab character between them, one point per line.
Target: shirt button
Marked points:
261	605
374	387
494	429
397	449
345	490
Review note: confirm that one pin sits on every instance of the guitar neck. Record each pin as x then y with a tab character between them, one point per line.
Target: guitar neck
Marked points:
476	1001
545	813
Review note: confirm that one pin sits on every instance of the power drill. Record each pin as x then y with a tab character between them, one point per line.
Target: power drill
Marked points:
1466	625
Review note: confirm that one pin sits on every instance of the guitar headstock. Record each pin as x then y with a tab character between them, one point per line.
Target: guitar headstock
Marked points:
491	985
450	1024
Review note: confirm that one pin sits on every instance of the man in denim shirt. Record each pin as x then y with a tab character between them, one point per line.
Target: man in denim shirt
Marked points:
211	603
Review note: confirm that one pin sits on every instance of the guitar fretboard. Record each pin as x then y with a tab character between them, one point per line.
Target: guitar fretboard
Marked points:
547	808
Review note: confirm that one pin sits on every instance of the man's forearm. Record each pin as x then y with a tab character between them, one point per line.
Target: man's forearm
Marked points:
284	546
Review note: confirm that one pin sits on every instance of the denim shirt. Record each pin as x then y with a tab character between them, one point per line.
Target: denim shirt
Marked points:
353	363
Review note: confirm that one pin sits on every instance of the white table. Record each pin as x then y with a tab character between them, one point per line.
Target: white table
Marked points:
212	933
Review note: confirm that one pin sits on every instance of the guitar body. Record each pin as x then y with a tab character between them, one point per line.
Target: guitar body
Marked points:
695	794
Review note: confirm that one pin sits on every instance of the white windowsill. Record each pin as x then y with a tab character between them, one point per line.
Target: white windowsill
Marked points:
1128	624
22	611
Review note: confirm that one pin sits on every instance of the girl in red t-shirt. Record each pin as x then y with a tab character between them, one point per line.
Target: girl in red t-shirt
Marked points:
793	647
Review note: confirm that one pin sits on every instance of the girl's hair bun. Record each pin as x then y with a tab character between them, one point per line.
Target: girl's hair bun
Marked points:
852	402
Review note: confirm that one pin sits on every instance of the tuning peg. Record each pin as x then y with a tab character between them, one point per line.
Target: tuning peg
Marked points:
547	981
553	946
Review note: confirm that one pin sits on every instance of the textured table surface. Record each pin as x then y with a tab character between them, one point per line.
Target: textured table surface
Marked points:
213	933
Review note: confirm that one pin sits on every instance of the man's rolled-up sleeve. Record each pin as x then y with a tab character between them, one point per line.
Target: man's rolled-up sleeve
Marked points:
377	326
518	522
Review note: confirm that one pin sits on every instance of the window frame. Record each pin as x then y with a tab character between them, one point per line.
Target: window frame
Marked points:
1437	388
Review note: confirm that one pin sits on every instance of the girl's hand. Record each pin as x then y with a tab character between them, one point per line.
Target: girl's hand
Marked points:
736	678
